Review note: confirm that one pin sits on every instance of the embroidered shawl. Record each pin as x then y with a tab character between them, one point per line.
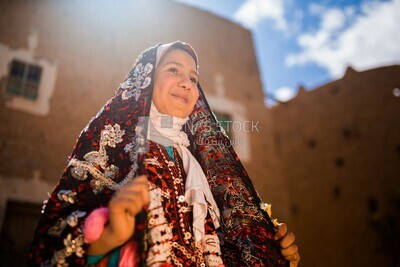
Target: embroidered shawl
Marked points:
111	151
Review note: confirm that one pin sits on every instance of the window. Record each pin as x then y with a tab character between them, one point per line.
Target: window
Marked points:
233	119
24	80
29	81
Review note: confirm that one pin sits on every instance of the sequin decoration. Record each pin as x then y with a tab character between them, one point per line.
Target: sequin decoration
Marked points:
170	237
95	160
72	246
98	164
57	228
138	80
67	196
135	150
212	250
72	219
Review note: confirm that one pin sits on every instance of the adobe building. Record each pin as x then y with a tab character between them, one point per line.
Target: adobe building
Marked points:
60	61
338	148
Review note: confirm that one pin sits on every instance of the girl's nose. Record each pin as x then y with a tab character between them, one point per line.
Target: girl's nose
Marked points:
185	83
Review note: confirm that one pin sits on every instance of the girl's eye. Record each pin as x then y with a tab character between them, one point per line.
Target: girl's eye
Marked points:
173	70
194	81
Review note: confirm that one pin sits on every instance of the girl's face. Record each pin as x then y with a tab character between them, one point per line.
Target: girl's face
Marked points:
175	86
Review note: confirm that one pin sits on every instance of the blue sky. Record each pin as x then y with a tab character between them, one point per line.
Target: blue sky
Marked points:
311	42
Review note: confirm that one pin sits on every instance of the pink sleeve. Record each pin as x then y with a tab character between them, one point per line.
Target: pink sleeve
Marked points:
94	224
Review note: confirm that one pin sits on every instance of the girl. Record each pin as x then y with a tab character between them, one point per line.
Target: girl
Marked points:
153	181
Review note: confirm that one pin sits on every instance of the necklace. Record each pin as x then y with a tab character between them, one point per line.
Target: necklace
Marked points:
178	193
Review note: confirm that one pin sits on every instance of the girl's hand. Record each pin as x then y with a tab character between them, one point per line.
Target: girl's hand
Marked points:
124	205
288	248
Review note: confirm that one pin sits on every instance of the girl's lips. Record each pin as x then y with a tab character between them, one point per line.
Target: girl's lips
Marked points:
181	97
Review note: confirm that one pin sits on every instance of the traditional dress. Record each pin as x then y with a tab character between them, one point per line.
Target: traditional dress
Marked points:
203	210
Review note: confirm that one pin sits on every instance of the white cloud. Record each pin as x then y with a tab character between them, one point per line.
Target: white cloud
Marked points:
252	12
298	16
284	94
333	19
316	8
364	41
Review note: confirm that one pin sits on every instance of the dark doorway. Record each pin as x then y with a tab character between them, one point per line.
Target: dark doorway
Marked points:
16	234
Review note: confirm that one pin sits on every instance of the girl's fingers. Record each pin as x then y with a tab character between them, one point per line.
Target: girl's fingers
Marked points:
294	259
130	198
287	240
132	194
281	231
126	205
138	184
138	194
290	251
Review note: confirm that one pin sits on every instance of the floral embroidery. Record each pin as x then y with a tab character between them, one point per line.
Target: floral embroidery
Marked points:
72	246
245	225
138	80
128	148
110	136
152	161
67	196
72	219
57	228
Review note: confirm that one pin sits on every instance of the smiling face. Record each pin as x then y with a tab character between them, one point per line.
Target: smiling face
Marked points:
175	86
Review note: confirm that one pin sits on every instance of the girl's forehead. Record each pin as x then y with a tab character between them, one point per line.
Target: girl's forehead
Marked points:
178	57
165	49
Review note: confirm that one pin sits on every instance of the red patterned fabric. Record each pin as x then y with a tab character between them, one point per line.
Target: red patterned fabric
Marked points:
113	149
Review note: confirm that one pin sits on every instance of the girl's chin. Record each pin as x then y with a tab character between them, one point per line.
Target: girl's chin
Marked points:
178	113
180	110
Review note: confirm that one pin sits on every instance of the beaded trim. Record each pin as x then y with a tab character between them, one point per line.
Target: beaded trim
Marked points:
210	243
159	234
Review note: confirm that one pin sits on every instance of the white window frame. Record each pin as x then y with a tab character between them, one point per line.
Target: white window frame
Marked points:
41	105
